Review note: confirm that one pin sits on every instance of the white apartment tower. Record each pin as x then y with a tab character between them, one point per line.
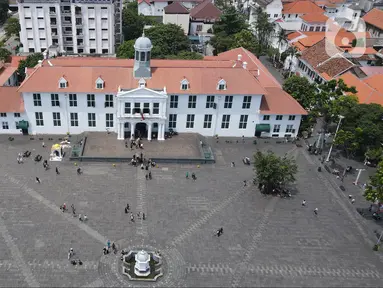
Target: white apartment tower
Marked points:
73	26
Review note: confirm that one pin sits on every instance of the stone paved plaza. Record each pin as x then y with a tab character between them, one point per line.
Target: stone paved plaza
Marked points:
267	241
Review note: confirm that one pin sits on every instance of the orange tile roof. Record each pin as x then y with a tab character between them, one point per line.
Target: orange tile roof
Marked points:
16	59
374	17
301	7
203	76
294	35
11	100
365	93
6	73
277	101
375	81
314	18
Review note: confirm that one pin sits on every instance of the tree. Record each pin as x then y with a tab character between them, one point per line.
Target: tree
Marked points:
4	8
292	52
374	189
126	49
4	54
281	37
230	23
348	141
273	171
12	27
302	90
167	39
186	55
30	62
132	23
263	29
245	39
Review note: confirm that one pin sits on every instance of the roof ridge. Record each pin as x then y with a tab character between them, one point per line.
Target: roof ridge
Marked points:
27	78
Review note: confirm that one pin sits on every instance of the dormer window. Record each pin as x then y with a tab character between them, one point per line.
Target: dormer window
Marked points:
99	83
221	85
63	83
185	84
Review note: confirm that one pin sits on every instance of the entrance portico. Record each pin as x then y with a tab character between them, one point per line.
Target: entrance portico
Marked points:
133	124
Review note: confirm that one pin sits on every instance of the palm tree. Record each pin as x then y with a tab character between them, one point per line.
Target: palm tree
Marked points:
263	28
293	52
281	37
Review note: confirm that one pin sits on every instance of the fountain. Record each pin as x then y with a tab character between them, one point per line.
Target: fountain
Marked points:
141	265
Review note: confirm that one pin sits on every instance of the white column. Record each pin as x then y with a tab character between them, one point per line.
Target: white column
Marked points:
132	129
161	131
120	132
150	131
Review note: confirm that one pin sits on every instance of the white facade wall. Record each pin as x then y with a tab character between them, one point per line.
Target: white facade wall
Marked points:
10	120
198	27
97	27
119	118
274	9
178	19
155	9
283	125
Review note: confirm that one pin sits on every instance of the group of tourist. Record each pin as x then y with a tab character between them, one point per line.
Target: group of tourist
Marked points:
127	210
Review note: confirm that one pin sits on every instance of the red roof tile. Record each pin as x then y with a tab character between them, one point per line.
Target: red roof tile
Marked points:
277	101
176	8
6	73
11	100
301	7
374	17
205	10
314	18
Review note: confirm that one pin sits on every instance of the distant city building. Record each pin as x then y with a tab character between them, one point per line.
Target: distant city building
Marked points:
73	27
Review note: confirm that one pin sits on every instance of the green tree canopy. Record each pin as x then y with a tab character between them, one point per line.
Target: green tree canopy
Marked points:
263	28
302	91
186	55
4	54
167	39
230	23
30	62
374	189
12	27
132	23
245	39
273	171
4	7
126	49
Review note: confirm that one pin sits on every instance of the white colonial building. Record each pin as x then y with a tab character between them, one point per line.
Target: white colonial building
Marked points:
231	94
70	26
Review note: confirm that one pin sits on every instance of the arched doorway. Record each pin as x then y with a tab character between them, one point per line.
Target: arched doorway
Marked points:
141	130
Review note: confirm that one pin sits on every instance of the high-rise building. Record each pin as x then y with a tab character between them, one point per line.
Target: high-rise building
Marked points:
73	26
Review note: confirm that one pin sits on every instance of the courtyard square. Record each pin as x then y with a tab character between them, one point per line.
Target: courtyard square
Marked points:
267	241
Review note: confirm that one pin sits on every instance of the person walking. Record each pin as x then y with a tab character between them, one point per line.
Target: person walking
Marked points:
131	217
79	171
316	211
108	244
304	203
57	171
244	183
352	201
38	180
143	216
187	175
150	175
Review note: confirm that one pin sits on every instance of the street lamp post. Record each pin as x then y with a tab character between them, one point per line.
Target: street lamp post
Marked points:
333	140
358	176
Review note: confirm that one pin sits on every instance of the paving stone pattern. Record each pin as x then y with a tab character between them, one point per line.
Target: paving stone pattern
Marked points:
267	241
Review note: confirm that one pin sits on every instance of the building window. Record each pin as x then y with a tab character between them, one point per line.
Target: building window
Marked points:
137	108
16	115
172	121
91	101
221	86
156	108
55	100
289	128
279	117
146	108
291	117
228	102
109	120
17	125
266	117
210	101
108	100
324	28
276	128
56	119
3	114
36	100
192	101
275	15
39	118
317	29
184	85
190	121
225	121
128	108
72	100
99	85
311	28
199	28
207	121
243	121
173	101
5	125
74	119
92	119
246	102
